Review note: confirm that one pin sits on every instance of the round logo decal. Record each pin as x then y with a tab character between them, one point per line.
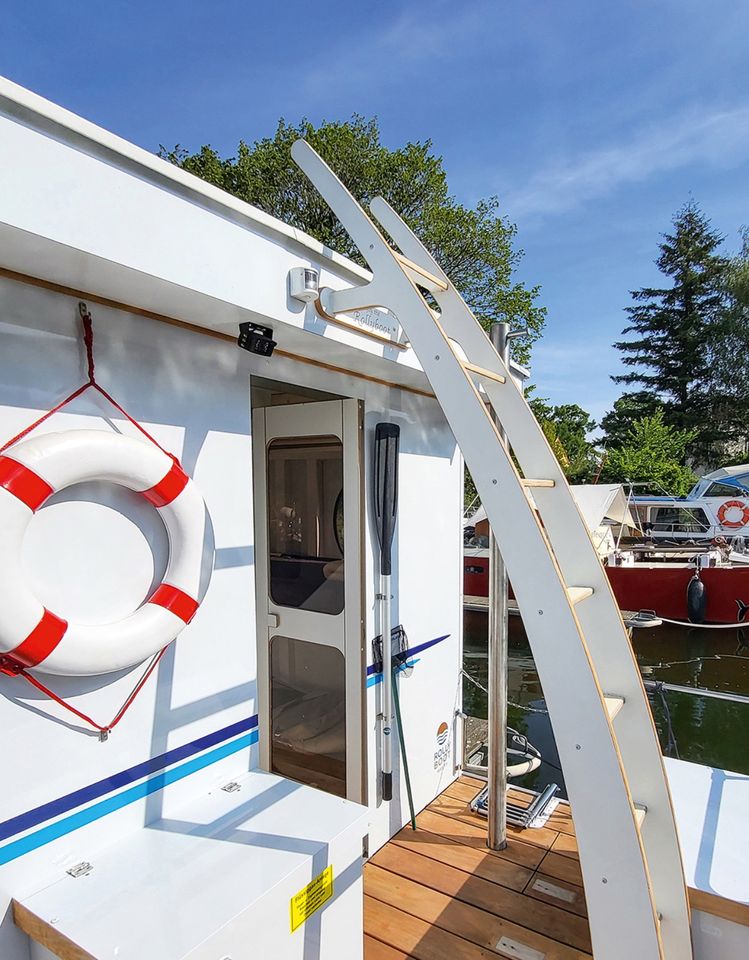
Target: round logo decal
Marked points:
442	733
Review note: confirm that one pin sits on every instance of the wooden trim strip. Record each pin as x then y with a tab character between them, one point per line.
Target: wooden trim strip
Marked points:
47	936
194	328
718	906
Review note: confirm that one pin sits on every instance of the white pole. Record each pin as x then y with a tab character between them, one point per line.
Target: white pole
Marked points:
498	656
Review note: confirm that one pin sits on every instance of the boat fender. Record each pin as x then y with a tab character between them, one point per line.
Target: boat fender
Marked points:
696	600
32	637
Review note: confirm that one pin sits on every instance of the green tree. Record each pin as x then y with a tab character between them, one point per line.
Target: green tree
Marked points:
652	454
475	245
675	325
629	407
567	428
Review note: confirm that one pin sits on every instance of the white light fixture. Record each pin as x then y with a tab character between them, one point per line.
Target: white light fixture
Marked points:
304	284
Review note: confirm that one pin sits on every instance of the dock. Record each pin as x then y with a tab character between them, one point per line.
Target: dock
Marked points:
481	605
438	892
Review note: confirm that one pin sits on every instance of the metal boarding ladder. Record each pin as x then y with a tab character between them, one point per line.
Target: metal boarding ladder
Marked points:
604	731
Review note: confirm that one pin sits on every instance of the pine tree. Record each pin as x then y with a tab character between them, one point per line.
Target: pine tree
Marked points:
670	359
729	360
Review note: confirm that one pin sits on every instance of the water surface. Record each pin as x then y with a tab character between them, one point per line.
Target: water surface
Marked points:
703	729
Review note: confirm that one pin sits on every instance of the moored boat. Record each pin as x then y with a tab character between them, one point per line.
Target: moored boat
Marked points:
643	574
717	506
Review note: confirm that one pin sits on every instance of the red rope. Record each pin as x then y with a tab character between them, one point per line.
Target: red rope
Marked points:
88	340
7	665
82	716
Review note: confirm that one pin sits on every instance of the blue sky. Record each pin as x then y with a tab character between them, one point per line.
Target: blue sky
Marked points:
593	122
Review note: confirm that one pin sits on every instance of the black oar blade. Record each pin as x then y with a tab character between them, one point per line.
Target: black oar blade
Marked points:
387	442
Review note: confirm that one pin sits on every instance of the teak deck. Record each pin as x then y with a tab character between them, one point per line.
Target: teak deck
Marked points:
439	894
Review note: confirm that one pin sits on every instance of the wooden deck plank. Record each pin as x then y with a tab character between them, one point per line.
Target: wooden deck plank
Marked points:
541	917
481	863
473	834
377	950
566	845
468	922
464	790
562	867
560	893
461	919
416	937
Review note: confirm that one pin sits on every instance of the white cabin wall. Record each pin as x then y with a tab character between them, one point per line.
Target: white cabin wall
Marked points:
192	393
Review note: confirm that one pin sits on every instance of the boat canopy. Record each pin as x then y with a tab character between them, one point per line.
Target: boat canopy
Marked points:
597	503
602	501
736	477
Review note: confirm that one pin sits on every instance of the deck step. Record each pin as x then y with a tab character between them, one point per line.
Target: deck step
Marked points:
538	483
613	705
420	276
576	594
482	373
640	811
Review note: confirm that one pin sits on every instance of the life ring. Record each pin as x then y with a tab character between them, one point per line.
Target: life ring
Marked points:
736	505
32	471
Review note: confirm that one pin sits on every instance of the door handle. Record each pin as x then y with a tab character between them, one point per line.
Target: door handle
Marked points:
273	620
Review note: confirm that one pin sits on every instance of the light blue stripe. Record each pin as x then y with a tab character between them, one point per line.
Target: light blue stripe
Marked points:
377	677
98	810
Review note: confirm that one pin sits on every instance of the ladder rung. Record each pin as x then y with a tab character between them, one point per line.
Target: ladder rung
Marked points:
640	811
576	594
419	275
538	483
613	705
482	373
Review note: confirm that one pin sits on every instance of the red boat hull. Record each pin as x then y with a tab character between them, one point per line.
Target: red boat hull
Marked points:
644	586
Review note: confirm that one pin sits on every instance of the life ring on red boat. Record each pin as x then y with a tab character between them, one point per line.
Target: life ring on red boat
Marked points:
32	471
733	505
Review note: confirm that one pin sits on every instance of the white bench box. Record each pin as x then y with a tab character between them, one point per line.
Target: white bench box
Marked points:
215	884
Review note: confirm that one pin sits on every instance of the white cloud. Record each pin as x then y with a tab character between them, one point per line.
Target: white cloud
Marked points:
718	138
421	34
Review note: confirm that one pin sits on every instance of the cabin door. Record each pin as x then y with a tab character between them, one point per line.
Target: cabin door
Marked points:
308	508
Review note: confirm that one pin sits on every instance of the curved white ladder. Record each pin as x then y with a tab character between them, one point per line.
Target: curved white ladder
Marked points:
607	743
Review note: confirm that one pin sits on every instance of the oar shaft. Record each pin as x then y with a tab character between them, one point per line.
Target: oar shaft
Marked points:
387	690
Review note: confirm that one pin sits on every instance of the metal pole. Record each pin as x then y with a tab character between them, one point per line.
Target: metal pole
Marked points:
497	684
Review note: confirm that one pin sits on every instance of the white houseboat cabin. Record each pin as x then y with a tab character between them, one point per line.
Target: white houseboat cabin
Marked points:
216	797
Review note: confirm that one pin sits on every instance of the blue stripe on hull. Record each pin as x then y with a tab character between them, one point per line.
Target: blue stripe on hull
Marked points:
17	848
222	740
54	808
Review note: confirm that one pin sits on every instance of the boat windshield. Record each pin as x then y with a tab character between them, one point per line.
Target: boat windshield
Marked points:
672	519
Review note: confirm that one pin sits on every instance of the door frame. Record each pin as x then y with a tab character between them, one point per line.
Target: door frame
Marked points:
351	434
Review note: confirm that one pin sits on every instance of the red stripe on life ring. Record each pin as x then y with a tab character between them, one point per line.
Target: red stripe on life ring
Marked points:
23	483
40	642
168	488
176	601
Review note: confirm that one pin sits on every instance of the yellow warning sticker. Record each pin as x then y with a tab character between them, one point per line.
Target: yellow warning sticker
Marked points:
310	898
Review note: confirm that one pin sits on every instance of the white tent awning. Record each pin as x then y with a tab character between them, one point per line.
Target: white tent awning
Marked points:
596	502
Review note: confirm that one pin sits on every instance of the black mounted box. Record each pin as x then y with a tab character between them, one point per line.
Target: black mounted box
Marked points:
256	339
